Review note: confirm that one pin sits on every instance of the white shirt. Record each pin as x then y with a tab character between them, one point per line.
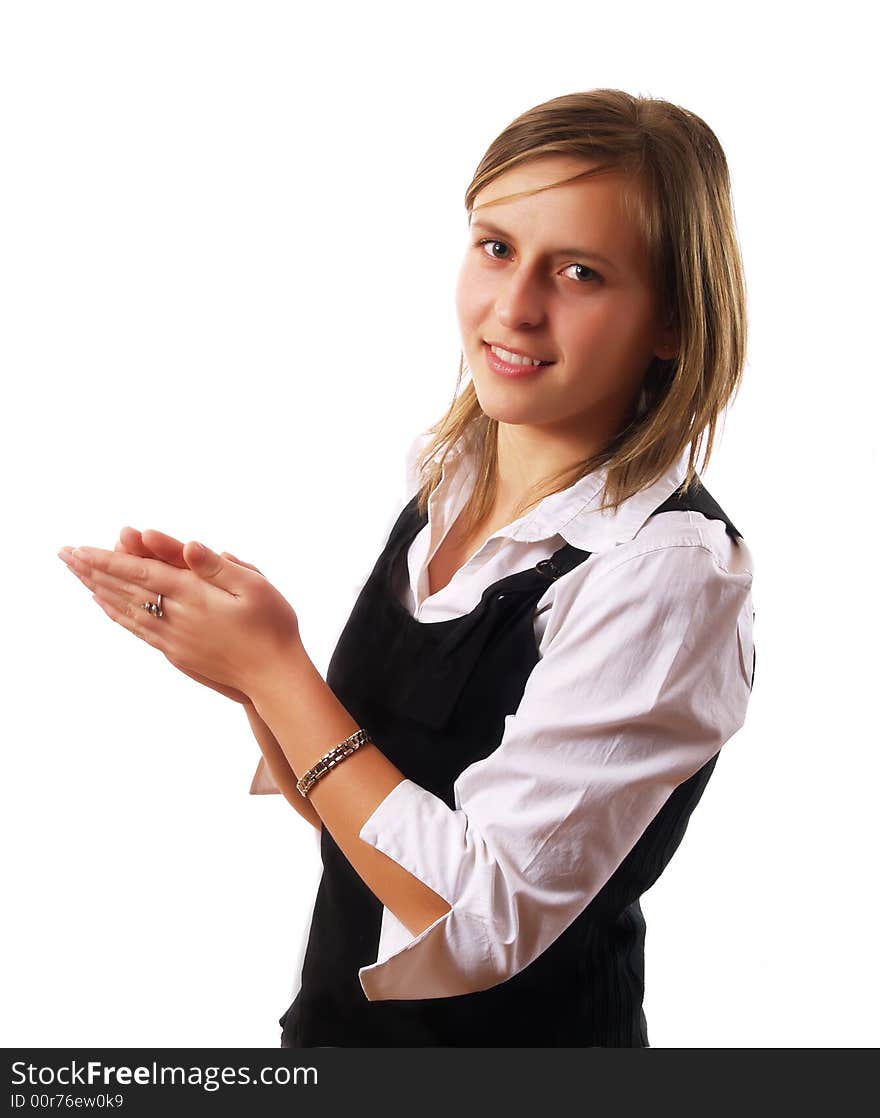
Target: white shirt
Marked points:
645	663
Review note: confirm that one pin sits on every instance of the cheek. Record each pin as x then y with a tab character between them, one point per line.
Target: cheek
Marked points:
464	301
461	298
612	331
474	294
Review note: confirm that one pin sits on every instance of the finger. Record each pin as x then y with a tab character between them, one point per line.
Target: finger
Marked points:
241	562
130	543
121	593
130	620
213	568
154	544
122	602
119	590
146	574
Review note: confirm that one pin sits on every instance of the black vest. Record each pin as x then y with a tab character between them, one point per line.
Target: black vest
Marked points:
434	696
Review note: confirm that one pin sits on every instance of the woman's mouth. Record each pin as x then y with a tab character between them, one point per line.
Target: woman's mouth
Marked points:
512	365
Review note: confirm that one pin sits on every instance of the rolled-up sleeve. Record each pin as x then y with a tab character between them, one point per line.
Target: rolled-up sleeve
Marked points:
645	674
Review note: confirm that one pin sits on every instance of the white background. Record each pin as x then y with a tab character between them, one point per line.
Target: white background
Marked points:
230	238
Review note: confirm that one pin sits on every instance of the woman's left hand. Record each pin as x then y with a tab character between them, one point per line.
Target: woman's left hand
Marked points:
220	619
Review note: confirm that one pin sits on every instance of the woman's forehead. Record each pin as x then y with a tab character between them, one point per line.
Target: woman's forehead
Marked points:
545	200
544	174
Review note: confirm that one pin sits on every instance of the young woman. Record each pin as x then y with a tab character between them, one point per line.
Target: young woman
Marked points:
537	677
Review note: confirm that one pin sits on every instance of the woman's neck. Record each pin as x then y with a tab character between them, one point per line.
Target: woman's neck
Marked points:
527	456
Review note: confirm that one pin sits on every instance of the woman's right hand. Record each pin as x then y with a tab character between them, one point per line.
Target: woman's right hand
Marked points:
152	544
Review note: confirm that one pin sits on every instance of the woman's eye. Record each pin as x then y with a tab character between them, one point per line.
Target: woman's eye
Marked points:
590	276
490	241
586	274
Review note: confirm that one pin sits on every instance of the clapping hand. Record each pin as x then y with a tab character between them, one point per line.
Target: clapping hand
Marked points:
224	624
156	545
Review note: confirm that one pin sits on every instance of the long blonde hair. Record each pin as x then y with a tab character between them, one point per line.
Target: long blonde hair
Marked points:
677	190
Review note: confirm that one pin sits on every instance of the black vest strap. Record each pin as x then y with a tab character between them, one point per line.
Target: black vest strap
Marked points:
698	499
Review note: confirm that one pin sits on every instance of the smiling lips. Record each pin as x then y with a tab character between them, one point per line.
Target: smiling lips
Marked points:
515	356
512	365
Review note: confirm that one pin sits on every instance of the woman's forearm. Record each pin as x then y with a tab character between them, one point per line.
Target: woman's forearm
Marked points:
279	767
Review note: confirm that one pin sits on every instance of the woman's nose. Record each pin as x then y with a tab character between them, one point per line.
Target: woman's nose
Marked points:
520	302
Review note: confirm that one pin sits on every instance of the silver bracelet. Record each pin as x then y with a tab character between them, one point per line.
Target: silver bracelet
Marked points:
331	759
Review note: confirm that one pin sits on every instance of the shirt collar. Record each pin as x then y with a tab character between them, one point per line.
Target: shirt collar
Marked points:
574	513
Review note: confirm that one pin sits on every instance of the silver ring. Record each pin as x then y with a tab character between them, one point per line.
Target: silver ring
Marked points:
155	608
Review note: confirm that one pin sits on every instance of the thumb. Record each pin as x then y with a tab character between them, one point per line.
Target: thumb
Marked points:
241	562
207	564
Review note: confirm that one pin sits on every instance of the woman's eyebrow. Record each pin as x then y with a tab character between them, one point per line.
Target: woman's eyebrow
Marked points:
575	251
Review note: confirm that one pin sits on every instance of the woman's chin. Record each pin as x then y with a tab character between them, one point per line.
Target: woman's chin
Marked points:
502	407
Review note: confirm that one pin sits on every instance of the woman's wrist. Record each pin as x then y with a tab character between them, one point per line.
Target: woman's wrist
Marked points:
287	672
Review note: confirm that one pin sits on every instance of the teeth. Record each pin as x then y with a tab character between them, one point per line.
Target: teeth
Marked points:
514	358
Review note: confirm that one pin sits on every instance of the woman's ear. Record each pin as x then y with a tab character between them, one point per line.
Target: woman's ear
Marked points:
669	339
668	351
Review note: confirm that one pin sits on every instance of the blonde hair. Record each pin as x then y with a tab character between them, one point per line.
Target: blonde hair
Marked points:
677	190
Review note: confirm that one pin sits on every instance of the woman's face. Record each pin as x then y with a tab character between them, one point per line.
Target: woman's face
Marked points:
535	286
